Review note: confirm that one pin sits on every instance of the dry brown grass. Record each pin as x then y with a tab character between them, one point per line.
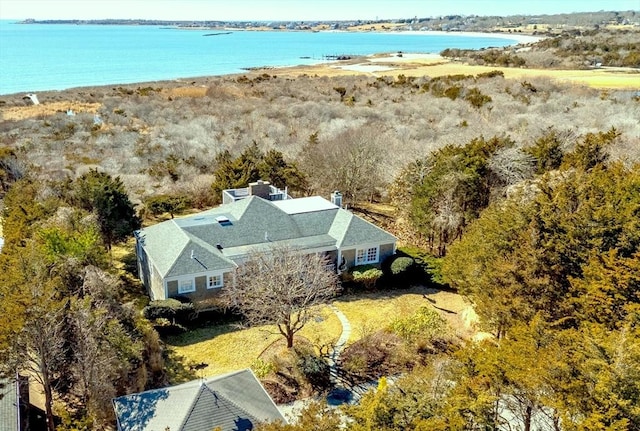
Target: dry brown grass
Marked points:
226	348
186	92
430	65
371	312
16	113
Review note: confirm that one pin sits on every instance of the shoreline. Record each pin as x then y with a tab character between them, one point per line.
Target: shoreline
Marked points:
506	40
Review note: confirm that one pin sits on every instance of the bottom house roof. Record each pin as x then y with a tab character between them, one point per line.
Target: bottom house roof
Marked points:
235	401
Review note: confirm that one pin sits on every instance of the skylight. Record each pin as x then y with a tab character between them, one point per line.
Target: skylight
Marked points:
223	221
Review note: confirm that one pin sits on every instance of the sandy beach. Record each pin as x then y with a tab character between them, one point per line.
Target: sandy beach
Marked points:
430	64
378	64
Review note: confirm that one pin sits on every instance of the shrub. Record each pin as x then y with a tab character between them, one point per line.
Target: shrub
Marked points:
367	275
341	91
169	309
373	356
401	265
491	74
427	267
423	324
453	92
166	328
401	270
171	204
475	97
315	369
262	368
457	77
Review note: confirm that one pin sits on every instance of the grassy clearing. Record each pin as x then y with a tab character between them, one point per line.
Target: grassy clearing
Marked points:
50	108
226	348
613	78
597	78
187	92
371	312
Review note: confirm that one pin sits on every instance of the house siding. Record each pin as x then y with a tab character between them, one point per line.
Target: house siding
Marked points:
172	288
201	292
349	257
156	287
386	250
201	284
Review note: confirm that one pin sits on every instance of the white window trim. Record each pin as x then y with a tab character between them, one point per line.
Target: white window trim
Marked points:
365	258
184	280
216	286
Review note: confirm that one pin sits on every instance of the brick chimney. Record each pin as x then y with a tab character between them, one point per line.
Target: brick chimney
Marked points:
260	188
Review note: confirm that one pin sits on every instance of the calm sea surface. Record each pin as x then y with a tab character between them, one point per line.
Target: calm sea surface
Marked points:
37	57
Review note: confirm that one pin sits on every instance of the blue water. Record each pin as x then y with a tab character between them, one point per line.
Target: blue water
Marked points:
38	57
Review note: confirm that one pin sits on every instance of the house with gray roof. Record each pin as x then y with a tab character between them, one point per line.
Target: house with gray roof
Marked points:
231	402
197	255
14	404
9	406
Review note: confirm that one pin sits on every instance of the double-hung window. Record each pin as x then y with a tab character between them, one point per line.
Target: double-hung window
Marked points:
186	286
215	281
367	255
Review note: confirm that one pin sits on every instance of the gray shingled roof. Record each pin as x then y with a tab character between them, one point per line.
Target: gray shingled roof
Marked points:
234	401
250	219
350	231
254	224
197	256
8	406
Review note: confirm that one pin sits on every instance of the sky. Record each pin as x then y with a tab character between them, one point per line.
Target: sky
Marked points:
294	10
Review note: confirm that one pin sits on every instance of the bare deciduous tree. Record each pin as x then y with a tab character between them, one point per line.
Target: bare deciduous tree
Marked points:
511	165
352	162
95	366
282	287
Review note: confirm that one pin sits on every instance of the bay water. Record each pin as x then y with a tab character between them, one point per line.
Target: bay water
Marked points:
39	57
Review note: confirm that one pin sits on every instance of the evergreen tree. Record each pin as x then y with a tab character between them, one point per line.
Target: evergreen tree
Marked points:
253	165
105	196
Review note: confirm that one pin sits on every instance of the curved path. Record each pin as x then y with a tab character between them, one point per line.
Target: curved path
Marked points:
342	341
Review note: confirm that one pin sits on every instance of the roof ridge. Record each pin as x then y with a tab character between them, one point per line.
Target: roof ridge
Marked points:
230	401
217	395
175	261
209	247
240	205
193	406
342	213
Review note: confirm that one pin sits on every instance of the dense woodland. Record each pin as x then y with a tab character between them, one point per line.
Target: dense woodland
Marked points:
526	194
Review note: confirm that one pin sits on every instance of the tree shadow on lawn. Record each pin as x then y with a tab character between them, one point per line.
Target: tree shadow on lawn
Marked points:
201	334
177	370
388	294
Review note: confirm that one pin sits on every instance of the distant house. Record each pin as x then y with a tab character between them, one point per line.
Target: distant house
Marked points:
14	404
9	406
231	402
197	255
